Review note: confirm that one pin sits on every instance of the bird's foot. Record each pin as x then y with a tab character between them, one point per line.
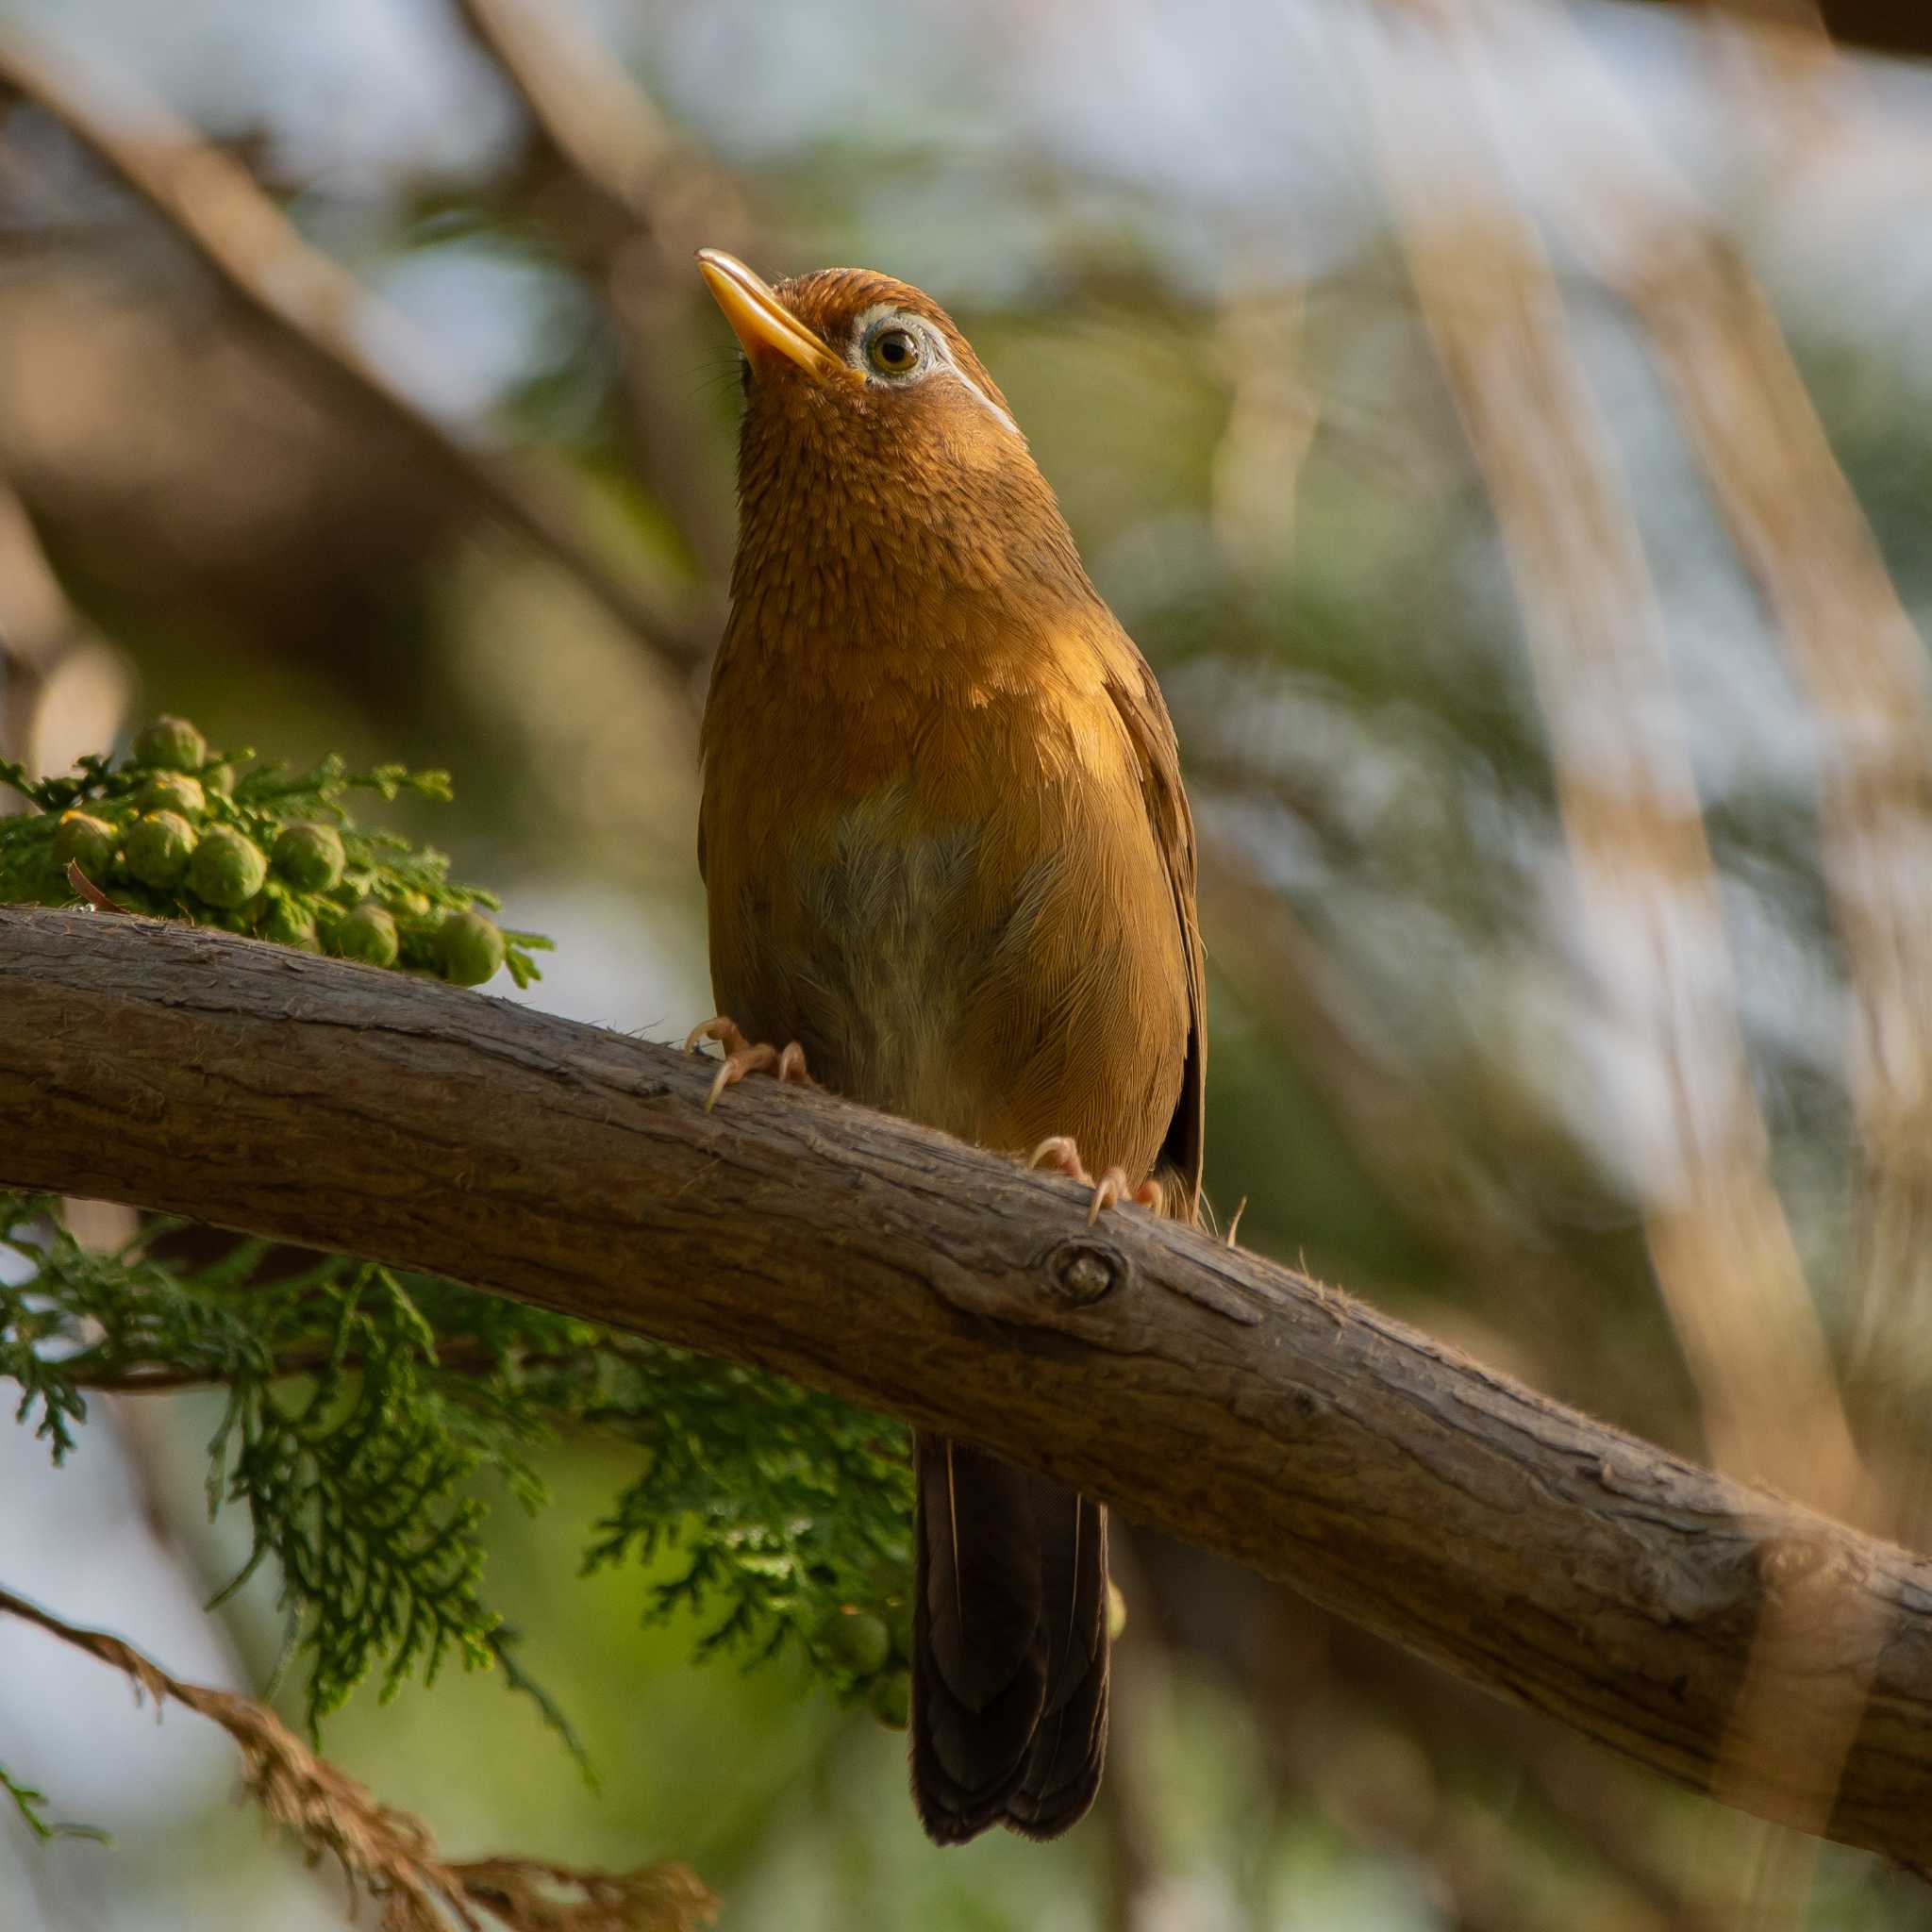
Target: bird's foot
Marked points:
743	1056
1062	1151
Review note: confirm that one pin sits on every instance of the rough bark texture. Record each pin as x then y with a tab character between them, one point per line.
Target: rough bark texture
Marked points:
1230	1401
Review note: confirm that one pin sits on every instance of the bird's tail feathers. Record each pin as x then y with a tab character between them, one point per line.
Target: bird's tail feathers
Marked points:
1009	1650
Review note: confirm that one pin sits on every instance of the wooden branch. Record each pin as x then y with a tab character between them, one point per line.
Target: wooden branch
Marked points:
321	315
1230	1401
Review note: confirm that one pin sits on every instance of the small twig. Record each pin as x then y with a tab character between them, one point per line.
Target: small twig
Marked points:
1230	1238
319	312
388	1855
90	892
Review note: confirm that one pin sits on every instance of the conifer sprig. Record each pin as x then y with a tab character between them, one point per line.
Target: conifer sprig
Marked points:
181	831
372	1415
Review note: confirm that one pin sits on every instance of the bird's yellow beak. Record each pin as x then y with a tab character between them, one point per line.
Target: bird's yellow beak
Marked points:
762	323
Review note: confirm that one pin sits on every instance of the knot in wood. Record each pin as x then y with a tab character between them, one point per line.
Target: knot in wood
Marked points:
1787	1563
1085	1271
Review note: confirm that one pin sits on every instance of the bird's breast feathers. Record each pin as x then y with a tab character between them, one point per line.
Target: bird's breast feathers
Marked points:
951	918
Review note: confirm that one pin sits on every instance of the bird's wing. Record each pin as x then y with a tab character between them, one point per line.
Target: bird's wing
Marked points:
1130	683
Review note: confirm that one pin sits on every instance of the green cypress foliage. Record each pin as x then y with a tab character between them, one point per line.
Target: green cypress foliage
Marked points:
373	1417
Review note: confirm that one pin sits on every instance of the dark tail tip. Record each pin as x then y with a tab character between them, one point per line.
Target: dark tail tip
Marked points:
1010	1664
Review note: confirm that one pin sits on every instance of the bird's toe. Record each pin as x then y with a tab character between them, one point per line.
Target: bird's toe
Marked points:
743	1055
1060	1151
723	1029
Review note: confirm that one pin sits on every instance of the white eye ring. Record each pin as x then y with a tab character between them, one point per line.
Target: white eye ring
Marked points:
934	356
887	334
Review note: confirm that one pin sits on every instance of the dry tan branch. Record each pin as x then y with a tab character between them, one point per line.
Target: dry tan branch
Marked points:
1890	26
1799	527
321	315
1722	1250
388	1855
1232	1402
600	127
1723	1253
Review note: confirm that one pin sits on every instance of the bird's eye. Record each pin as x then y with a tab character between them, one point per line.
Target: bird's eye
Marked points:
893	352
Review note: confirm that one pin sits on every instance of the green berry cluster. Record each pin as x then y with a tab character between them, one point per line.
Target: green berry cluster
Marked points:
868	1650
185	832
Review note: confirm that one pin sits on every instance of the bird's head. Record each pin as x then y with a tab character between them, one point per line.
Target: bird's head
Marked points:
876	456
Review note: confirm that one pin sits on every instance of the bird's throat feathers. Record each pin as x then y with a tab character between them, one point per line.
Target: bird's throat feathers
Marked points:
875	530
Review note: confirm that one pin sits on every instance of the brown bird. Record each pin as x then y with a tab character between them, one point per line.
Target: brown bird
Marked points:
950	866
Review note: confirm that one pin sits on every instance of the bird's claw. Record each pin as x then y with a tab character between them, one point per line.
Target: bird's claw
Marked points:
1062	1151
1059	1151
743	1056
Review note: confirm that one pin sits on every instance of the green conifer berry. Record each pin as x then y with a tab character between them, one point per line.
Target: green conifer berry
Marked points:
171	744
227	869
468	948
288	926
854	1639
368	934
85	840
173	792
220	778
891	1698
158	848
310	857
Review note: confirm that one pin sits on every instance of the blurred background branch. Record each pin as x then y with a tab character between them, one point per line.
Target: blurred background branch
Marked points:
1888	26
324	317
641	203
1725	1261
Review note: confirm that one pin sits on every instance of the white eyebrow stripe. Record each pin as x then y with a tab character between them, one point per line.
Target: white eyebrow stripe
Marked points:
942	349
972	388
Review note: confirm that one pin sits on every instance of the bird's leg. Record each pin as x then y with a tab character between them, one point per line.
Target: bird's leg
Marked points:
742	1057
1062	1151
